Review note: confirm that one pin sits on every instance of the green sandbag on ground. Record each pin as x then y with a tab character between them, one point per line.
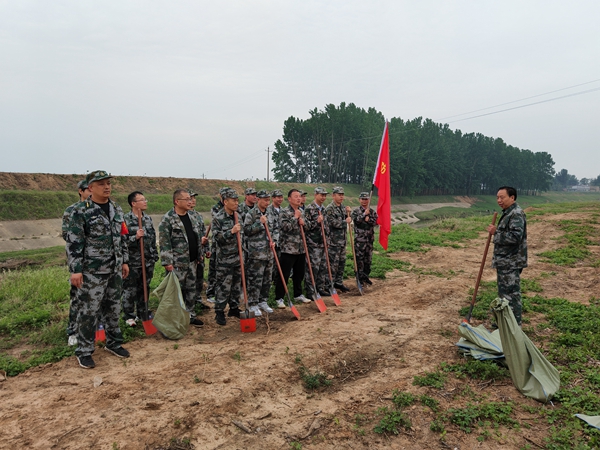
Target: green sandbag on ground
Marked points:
171	318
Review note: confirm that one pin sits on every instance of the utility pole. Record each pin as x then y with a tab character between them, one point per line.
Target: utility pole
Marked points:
268	158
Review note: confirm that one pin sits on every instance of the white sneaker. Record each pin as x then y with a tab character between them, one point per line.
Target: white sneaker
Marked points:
302	298
131	322
265	307
280	303
256	310
72	340
210	300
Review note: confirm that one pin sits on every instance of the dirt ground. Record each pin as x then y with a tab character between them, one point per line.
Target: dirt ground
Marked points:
372	344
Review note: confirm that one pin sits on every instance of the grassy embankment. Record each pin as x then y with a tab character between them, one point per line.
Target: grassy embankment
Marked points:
34	308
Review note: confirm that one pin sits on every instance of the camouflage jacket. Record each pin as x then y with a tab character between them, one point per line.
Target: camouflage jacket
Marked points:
202	228
173	241
336	220
133	244
226	243
65	220
314	235
290	240
276	217
257	242
365	230
244	209
216	208
94	242
510	240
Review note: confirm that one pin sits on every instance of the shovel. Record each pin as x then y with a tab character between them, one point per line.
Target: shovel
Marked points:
247	319
485	252
149	328
318	300
358	283
287	293
100	333
334	294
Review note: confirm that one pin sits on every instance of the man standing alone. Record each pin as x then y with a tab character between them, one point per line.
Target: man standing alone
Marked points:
98	261
510	248
181	242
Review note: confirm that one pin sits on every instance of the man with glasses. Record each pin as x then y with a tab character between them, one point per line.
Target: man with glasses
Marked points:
133	286
180	240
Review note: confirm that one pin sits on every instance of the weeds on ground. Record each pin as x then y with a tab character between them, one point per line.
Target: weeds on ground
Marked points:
577	236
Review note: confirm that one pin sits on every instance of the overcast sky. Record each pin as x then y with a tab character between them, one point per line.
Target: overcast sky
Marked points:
197	88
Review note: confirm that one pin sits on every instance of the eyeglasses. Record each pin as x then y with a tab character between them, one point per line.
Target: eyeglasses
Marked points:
189	199
141	200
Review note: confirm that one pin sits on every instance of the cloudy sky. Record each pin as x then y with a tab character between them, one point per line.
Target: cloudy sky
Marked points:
197	88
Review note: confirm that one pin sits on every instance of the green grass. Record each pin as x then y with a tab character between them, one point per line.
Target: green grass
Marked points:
577	236
43	257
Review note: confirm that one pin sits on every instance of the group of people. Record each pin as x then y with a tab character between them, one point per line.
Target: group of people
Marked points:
107	262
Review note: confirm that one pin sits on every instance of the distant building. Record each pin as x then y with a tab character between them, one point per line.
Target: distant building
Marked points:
580	188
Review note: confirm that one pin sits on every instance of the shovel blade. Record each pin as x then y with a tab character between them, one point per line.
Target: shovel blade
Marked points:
295	311
149	327
248	325
320	304
335	297
359	284
100	334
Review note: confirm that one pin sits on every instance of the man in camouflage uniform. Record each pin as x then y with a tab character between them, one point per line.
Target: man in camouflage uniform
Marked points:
292	248
98	261
133	286
259	263
314	216
249	202
365	221
274	210
510	248
212	269
228	273
181	239
205	251
84	193
338	220
302	200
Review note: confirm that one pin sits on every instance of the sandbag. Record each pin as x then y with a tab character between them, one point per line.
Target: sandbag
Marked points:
530	371
594	421
171	318
479	343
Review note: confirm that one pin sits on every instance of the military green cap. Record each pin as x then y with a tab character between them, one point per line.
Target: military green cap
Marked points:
338	190
320	190
364	195
250	191
83	185
97	175
277	193
223	190
302	193
262	194
229	193
192	193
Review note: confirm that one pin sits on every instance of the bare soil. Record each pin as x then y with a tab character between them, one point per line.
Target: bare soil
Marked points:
197	387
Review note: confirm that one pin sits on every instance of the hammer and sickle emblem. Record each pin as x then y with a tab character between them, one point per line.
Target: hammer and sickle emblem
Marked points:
383	167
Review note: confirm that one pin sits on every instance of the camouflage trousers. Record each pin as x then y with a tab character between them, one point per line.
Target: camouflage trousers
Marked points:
320	273
259	273
72	325
228	287
364	256
99	296
212	275
187	281
133	292
337	260
509	287
199	281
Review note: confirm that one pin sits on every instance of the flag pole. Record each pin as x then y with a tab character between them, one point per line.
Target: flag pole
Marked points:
377	165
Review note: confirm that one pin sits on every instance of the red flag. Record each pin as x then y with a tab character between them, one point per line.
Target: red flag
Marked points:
381	180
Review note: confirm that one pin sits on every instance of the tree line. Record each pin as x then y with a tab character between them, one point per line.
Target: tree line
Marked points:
340	144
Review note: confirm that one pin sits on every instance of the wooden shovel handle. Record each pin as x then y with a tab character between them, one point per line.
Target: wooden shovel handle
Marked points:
239	243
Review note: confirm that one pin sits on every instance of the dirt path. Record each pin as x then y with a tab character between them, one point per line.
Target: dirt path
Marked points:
196	387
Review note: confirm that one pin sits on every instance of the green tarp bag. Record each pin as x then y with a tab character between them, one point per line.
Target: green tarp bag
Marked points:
171	318
594	421
530	371
479	343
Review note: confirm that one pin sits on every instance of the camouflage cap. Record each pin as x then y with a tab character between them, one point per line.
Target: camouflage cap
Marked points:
192	193
229	193
262	194
302	193
338	190
83	185
223	190
277	193
364	195
320	190
250	191
97	175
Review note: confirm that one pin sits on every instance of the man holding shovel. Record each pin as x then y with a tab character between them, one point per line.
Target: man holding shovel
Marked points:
133	287
510	248
314	216
338	220
228	275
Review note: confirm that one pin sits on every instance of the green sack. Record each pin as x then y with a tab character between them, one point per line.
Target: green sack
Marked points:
530	371
591	420
171	318
479	342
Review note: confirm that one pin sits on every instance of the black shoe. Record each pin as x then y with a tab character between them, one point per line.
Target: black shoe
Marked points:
341	287
220	318
196	322
234	312
119	351
367	281
86	362
324	294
